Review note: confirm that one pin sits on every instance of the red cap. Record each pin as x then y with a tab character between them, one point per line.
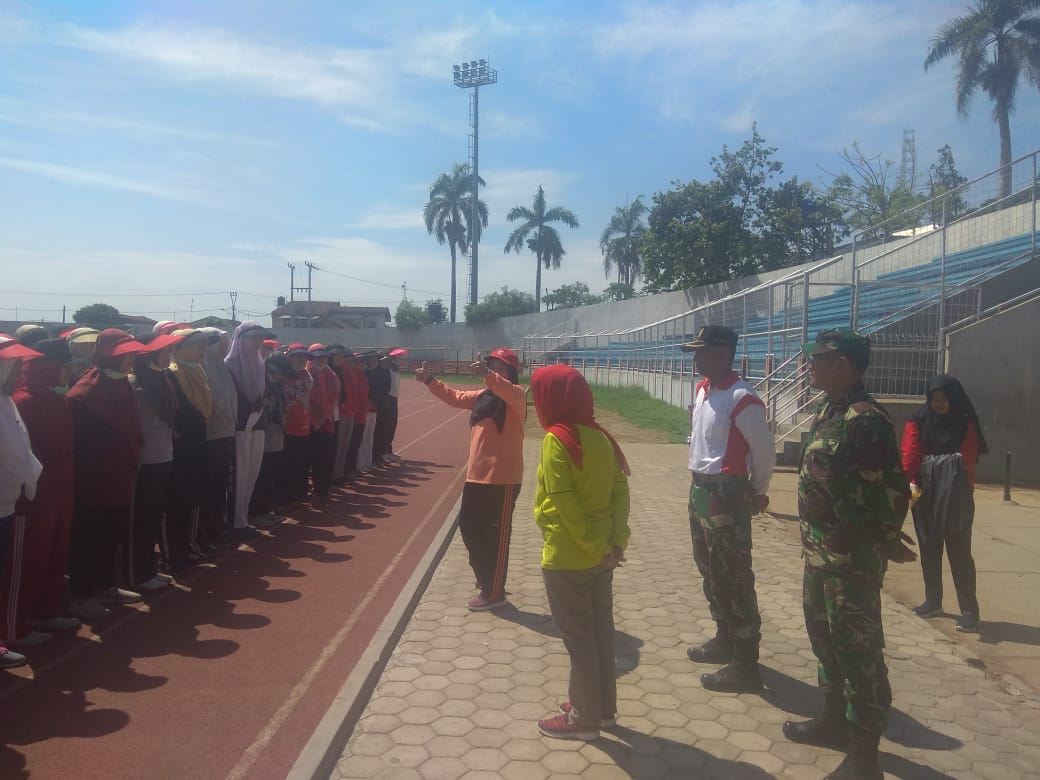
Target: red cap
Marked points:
10	349
114	342
271	343
505	355
397	352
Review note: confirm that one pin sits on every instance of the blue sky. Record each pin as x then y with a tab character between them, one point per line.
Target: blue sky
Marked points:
156	156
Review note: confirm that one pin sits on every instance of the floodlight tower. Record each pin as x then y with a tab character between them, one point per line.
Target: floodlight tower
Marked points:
475	74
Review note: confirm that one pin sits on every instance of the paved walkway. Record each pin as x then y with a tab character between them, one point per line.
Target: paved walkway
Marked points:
462	691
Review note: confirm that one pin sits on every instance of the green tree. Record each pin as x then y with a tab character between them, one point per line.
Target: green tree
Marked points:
504	303
435	311
570	296
620	242
872	196
448	214
797	225
945	180
616	291
539	236
98	314
994	44
409	316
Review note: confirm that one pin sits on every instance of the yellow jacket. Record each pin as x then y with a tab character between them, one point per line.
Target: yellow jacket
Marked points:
583	513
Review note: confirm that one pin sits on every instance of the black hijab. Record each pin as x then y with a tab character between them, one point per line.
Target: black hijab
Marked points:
156	390
944	433
490	405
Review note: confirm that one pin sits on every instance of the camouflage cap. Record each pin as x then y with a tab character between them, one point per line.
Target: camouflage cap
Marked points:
713	336
852	345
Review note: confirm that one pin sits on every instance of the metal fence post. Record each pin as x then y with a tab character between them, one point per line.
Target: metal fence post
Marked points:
942	285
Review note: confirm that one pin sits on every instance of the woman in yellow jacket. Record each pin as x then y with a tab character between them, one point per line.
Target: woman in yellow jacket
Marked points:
581	506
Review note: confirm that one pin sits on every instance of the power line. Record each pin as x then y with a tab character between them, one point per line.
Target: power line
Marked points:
325	269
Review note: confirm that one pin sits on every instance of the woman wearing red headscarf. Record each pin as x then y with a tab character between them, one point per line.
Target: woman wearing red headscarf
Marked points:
107	443
43	553
495	470
581	505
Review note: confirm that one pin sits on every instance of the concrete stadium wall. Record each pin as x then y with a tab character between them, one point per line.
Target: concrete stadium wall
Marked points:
998	362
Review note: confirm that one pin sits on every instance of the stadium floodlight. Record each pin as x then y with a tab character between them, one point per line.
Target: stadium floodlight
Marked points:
473	75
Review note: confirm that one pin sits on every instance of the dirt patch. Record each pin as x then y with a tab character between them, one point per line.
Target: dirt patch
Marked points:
620	428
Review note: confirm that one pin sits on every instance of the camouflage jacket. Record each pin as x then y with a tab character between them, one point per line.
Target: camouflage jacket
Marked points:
852	492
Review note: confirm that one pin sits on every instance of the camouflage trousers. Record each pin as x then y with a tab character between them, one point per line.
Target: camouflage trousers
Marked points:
843	618
720	526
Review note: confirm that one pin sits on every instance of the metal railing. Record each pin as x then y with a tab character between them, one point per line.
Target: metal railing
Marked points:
905	282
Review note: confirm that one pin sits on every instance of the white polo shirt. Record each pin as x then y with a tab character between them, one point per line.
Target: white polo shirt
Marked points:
731	433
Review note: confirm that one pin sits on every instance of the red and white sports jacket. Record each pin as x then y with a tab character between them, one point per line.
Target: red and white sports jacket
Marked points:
730	432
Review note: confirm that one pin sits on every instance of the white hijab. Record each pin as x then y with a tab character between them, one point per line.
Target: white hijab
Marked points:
19	468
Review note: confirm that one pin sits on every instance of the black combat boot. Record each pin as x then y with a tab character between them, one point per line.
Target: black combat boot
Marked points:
717	650
736	677
741	674
861	763
829	730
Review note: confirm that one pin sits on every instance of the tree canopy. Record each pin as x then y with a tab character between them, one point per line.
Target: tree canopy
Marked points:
98	314
995	43
736	224
503	303
569	296
536	232
409	316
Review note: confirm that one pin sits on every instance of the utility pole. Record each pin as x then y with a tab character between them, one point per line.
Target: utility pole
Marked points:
234	297
292	295
310	267
404	287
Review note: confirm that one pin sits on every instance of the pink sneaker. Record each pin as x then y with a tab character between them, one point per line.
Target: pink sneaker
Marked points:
606	723
481	604
562	727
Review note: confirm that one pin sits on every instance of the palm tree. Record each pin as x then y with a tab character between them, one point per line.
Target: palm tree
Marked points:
449	212
539	236
994	43
620	242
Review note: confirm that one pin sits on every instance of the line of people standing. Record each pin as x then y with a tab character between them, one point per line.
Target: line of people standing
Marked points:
124	468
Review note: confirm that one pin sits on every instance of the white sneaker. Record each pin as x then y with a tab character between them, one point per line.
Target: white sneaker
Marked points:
87	608
9	659
155	583
164	577
59	623
116	595
32	639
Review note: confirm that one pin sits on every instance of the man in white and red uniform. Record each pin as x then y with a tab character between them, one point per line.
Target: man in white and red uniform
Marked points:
731	458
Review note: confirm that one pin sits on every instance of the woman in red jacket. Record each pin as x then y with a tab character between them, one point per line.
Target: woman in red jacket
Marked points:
941	445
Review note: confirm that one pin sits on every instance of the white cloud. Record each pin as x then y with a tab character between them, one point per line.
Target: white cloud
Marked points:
83	176
508	187
383	216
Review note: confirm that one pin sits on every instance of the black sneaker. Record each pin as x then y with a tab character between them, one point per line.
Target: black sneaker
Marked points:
968	622
733	678
927	610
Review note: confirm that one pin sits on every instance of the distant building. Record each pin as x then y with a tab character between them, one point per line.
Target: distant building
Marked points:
330	315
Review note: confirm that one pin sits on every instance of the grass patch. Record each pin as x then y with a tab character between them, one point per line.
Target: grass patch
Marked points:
644	411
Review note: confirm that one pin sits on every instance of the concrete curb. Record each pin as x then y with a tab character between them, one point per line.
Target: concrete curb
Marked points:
325	747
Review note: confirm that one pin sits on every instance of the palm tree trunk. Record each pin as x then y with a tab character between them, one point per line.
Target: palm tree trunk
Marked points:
452	246
538	283
1004	124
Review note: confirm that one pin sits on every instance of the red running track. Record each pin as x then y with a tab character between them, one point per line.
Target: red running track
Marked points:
227	675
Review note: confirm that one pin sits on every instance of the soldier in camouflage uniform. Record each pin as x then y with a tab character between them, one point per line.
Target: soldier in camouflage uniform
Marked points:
852	500
731	461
